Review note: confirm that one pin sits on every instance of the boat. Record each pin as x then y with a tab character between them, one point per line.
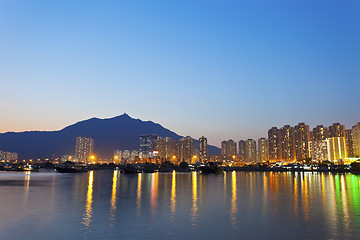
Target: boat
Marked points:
127	169
28	167
71	168
211	169
20	168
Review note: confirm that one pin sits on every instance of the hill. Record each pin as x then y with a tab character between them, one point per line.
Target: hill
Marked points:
121	132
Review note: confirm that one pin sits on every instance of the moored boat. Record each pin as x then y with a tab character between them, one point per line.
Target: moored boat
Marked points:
211	168
130	169
71	168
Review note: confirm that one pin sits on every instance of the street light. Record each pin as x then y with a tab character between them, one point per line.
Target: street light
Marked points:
115	158
92	157
194	158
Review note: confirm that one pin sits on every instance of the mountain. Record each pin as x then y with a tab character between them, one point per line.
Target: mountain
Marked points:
121	132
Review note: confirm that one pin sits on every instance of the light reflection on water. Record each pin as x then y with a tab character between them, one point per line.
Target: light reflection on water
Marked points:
111	205
113	197
138	197
89	201
26	186
194	208
234	208
154	193
173	195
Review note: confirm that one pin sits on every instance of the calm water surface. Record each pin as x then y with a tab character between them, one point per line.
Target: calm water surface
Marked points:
234	205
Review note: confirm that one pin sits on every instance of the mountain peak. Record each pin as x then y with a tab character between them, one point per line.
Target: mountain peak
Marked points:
124	115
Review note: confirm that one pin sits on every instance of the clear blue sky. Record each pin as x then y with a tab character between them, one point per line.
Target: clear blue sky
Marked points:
223	69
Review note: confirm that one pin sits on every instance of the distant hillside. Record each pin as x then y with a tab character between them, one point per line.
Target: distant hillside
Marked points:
121	132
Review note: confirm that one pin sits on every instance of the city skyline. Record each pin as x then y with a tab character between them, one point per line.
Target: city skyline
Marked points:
299	143
330	144
224	70
235	139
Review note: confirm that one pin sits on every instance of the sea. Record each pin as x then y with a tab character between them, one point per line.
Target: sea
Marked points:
107	204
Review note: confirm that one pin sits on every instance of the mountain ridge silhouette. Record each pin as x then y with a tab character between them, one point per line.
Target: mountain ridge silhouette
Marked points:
117	133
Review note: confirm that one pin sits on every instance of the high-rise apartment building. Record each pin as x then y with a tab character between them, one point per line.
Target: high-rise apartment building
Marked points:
148	144
250	151
337	148
274	144
336	130
287	139
84	149
355	131
8	156
228	149
202	148
232	149
169	148
302	138
133	155
319	133
126	154
319	150
242	150
176	159
263	150
160	148
349	142
164	146
224	148
118	156
187	146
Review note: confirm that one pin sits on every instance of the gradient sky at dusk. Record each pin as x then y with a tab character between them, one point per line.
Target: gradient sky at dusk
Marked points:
223	69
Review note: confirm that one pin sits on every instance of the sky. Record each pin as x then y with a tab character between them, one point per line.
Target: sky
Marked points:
216	68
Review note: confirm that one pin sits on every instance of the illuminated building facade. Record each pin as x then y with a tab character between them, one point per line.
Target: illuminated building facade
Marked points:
274	144
168	148
118	156
176	159
242	150
223	148
302	138
355	131
134	154
126	154
84	149
287	139
263	150
349	142
319	150
337	148
164	148
148	143
187	149
250	151
336	130
202	148
8	156
319	133
160	147
228	149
